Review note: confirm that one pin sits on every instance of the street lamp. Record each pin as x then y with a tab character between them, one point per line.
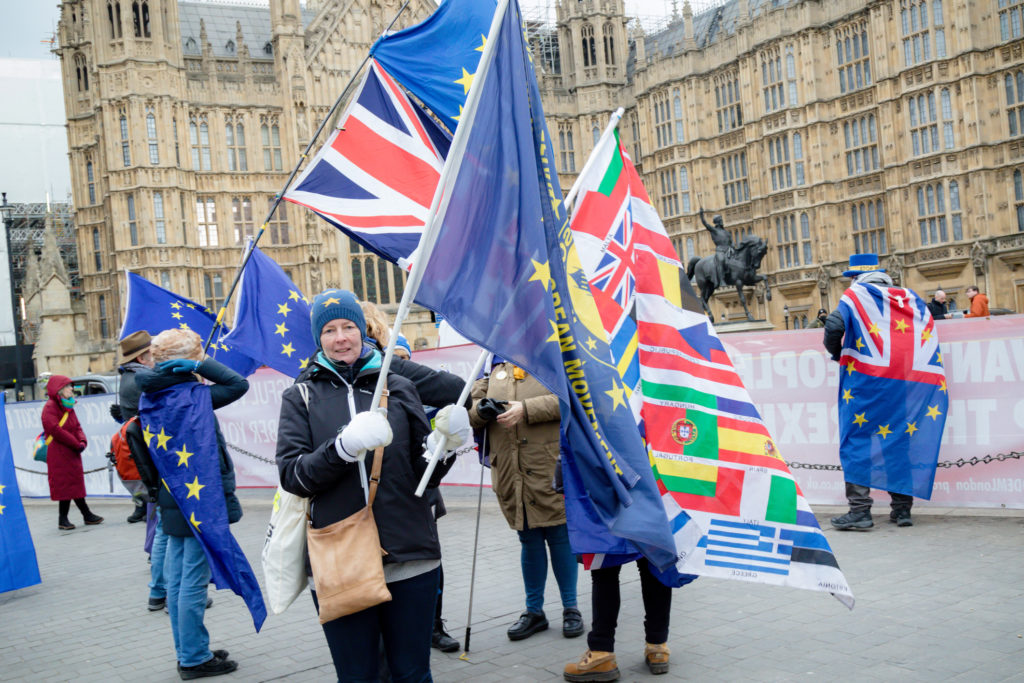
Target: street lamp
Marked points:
6	212
785	313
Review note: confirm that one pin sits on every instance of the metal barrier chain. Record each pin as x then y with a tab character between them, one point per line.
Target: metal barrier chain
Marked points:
252	455
999	457
22	469
811	466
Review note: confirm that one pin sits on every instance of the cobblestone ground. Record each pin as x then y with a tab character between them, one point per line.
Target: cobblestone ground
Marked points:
940	601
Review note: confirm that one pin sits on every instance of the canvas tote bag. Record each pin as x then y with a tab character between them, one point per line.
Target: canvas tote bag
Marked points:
346	557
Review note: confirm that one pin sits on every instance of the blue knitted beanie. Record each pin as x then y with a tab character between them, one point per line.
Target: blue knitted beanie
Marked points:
332	304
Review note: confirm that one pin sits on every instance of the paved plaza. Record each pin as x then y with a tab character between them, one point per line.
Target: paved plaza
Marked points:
940	601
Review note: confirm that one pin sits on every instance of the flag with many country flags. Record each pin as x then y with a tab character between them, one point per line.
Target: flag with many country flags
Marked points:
892	390
724	486
155	309
272	318
179	429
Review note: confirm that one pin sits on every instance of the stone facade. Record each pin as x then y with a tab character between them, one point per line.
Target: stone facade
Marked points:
826	128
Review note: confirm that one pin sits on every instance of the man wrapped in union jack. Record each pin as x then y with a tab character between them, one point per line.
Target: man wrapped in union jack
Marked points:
892	393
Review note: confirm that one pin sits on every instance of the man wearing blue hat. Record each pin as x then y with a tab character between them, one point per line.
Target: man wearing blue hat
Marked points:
880	383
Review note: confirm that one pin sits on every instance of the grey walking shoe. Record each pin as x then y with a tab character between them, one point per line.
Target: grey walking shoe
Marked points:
853	521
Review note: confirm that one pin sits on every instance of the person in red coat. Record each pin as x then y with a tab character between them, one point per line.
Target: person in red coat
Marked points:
66	441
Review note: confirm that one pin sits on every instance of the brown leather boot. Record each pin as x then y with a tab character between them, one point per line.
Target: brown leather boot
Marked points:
656	657
593	666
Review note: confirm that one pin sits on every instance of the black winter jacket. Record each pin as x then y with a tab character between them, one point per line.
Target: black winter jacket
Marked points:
228	386
309	464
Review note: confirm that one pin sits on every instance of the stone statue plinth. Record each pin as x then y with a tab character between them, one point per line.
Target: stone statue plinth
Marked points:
744	326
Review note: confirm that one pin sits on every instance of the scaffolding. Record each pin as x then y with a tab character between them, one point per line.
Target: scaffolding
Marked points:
28	222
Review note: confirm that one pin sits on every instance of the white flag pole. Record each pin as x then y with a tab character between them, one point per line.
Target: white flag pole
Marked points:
442	195
608	132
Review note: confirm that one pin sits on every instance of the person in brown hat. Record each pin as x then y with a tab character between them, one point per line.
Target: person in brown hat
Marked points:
135	356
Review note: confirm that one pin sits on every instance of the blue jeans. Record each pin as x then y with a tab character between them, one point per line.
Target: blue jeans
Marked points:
157	584
188	575
534	560
405	624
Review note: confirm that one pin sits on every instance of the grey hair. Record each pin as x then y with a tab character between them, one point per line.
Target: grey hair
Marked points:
176	343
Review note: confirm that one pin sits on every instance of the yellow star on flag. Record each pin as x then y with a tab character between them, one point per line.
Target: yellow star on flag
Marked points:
859	419
556	206
483	42
849	367
911	428
942	388
294	296
303	364
195	522
938	357
541	273
330	301
175	305
873	329
177	316
554	333
162	439
288	349
183	455
883	431
901	325
193	489
2	509
934	412
926	335
184	326
281	330
466	81
617	393
283	309
859	344
192	306
591	343
2	487
460	114
847	395
147	435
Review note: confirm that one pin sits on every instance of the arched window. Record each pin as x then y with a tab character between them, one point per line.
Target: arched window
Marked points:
145	19
136	20
104	323
609	45
154	148
235	137
1018	196
90	182
677	111
271	138
126	153
596	132
589	47
81	72
229	47
97	255
114	19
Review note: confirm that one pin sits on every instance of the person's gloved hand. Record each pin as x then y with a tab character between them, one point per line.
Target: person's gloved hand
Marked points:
180	366
366	432
489	409
451	422
115	412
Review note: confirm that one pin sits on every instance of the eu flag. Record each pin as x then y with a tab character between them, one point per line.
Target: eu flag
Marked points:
155	309
18	566
892	391
506	275
178	425
272	321
454	37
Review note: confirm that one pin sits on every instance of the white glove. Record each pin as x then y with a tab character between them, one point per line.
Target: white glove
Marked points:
451	422
366	432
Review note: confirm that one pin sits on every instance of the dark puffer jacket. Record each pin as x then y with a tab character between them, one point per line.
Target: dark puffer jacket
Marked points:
310	466
228	386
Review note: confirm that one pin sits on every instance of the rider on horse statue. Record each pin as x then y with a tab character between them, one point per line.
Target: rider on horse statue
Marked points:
724	249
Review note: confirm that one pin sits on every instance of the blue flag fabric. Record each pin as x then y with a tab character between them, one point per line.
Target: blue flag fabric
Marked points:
155	309
454	37
18	566
506	275
892	391
178	425
272	322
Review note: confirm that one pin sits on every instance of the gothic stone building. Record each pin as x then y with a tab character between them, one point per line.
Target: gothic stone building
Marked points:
825	127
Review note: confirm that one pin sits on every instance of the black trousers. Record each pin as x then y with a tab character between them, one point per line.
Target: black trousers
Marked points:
860	499
605	601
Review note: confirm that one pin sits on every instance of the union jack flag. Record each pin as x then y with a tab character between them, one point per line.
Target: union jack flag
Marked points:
375	177
613	274
892	390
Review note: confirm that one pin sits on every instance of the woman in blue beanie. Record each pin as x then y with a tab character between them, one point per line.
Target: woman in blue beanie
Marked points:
327	426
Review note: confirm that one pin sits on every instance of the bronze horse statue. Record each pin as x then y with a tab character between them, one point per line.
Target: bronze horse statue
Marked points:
740	269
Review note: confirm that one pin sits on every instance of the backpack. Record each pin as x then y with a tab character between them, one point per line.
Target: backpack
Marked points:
122	453
42	441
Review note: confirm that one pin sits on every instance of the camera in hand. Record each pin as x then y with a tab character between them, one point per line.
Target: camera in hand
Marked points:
489	409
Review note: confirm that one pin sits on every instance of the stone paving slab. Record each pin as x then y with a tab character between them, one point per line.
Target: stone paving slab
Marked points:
940	601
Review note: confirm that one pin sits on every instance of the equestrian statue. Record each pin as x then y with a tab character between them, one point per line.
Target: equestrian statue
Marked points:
730	265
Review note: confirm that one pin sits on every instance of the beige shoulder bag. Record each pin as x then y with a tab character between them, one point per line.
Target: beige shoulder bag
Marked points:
347	559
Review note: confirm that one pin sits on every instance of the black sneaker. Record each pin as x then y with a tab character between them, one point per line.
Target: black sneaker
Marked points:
441	640
853	521
156	604
527	624
214	667
901	518
139	515
572	623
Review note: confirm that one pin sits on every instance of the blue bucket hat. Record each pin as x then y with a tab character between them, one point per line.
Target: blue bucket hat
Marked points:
404	343
332	304
863	263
